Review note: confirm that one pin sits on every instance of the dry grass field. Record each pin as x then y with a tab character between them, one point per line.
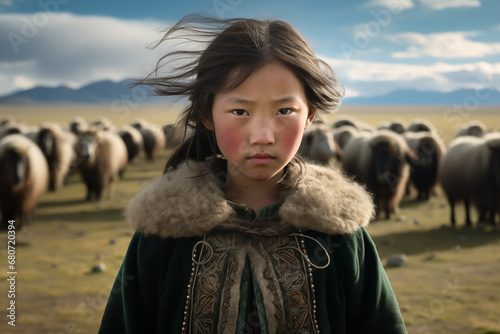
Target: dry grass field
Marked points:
451	283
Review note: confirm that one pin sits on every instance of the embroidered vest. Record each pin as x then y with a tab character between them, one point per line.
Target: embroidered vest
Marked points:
258	260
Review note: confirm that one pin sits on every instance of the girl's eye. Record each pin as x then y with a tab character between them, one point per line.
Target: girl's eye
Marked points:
239	112
284	111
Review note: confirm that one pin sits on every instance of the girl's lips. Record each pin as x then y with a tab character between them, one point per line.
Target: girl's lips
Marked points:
261	159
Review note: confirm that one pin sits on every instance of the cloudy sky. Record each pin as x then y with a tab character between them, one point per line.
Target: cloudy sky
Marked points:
375	46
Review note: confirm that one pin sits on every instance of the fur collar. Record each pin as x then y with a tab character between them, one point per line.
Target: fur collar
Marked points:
181	204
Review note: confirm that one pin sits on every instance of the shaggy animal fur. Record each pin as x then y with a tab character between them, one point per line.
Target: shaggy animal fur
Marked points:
341	136
174	135
102	124
346	120
473	128
7	119
380	160
154	141
24	178
421	125
77	125
139	123
397	126
470	173
319	119
153	137
133	141
57	147
32	133
104	158
318	144
429	148
487	198
10	128
351	121
182	203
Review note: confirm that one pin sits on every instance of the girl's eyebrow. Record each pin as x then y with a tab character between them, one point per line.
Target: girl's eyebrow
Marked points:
286	99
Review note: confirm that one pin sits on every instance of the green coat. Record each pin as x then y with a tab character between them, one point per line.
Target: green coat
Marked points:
200	263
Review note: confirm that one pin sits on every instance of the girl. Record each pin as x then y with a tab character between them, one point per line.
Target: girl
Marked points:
239	235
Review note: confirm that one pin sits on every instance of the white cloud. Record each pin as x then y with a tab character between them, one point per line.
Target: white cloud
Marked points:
400	5
367	78
61	48
443	45
444	4
23	82
394	5
76	50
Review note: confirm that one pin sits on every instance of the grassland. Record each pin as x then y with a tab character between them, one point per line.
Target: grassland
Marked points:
451	283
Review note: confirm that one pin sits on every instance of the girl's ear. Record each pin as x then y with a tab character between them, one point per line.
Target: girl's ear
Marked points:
208	124
310	116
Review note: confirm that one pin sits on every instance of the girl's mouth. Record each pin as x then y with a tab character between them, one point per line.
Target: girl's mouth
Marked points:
261	158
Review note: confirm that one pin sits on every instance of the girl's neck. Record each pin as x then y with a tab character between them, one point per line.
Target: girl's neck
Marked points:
254	194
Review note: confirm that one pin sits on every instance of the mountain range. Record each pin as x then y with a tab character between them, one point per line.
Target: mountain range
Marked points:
122	92
101	92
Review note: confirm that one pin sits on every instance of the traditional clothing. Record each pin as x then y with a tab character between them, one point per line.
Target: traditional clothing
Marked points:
200	263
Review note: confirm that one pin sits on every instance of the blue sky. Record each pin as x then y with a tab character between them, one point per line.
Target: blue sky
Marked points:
375	46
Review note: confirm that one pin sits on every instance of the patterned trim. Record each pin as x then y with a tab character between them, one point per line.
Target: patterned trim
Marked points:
279	266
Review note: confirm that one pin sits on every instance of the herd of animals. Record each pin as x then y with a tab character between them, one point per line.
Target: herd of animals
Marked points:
395	157
37	159
389	160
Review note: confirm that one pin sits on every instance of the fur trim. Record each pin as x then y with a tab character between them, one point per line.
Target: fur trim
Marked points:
326	201
183	204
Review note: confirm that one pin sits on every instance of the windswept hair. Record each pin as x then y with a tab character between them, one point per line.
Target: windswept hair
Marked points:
217	49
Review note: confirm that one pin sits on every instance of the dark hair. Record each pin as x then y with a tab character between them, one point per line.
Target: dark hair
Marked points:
242	44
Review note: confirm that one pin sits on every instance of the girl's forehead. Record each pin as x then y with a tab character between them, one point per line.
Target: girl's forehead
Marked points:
241	73
272	77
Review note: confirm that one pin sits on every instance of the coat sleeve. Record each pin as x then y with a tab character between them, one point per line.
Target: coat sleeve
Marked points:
131	304
353	293
371	306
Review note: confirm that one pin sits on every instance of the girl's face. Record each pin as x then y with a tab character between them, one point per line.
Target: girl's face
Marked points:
259	124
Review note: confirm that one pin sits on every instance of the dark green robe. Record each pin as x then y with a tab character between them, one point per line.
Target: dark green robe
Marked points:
351	295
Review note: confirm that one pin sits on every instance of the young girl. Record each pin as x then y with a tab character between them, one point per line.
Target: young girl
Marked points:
240	235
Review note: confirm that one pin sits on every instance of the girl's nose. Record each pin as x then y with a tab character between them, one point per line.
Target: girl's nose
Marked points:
262	135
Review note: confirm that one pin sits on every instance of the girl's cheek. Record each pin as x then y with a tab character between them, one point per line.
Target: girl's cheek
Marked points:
229	141
291	137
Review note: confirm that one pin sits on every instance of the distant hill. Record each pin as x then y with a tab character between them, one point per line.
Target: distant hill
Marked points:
101	92
465	97
121	93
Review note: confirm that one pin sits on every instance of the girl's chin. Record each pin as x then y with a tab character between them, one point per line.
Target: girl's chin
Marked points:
263	175
257	168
